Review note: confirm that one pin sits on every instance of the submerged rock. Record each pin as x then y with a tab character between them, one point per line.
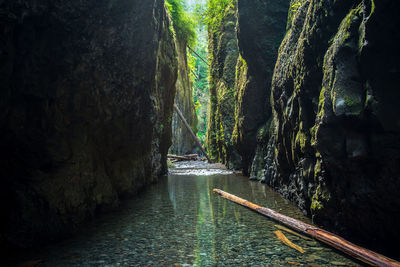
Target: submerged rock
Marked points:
87	89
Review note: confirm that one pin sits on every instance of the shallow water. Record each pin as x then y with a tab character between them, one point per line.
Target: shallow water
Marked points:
180	222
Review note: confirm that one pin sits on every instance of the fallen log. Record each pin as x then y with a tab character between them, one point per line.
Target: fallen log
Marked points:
287	242
192	156
184	157
365	255
291	232
205	61
180	115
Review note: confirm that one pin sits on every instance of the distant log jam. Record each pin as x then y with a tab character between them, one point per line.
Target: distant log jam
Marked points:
331	239
184	157
191	132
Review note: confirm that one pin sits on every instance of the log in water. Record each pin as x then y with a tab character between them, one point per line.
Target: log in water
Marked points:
329	238
178	221
195	138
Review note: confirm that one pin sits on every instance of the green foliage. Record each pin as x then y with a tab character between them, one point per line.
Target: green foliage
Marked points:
215	12
200	86
198	13
372	7
183	22
170	164
295	6
191	60
190	24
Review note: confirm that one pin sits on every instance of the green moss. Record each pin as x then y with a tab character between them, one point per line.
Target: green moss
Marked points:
294	7
316	205
221	16
372	7
170	164
321	102
183	22
301	140
263	131
319	199
229	24
313	132
321	97
350	101
160	128
317	168
221	132
346	28
216	11
172	31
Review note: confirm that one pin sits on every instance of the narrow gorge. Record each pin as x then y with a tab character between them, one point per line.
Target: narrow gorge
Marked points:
295	101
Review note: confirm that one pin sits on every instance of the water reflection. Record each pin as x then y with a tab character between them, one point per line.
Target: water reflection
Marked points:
179	221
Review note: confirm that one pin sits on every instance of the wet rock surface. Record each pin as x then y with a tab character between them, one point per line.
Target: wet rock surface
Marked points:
330	144
87	89
224	53
260	29
182	141
335	147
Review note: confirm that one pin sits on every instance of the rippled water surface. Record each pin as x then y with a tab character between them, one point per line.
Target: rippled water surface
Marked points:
180	222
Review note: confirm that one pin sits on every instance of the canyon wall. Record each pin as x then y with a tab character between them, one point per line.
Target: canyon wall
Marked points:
260	29
87	89
224	53
317	119
182	141
244	47
335	144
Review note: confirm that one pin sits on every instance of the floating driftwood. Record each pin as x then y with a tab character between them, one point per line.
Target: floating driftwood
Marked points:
331	239
287	242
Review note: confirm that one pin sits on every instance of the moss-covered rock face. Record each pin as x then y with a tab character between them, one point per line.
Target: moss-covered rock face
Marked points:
224	51
335	149
182	141
87	89
260	30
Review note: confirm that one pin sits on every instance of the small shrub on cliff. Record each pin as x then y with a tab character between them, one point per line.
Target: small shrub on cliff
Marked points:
215	12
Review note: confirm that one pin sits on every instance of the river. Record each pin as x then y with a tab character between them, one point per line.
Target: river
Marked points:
180	222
